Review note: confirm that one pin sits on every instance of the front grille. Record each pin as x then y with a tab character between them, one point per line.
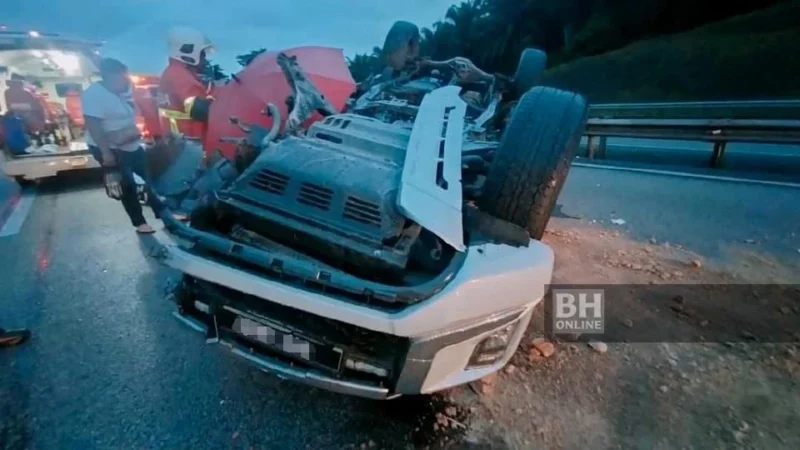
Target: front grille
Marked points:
315	196
362	211
269	181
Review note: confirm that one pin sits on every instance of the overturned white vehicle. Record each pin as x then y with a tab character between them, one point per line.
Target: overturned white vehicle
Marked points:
392	249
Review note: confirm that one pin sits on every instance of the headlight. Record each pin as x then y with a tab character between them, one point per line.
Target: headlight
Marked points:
492	348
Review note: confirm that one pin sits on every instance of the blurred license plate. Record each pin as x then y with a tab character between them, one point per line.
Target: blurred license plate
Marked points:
287	343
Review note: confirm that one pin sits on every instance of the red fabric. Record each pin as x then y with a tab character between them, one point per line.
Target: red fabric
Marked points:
178	83
25	103
147	109
74	109
263	82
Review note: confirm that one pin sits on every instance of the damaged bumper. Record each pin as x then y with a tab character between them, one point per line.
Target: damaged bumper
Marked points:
466	330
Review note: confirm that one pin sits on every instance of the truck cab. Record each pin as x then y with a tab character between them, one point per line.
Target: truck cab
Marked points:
41	79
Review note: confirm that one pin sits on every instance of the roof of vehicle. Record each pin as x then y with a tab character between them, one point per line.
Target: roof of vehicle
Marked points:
36	40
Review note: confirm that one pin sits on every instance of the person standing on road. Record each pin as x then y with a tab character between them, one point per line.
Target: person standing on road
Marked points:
114	140
10	338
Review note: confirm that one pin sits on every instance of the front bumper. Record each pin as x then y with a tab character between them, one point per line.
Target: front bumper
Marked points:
35	167
424	347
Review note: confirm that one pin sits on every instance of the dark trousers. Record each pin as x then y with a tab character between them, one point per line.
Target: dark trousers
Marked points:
129	163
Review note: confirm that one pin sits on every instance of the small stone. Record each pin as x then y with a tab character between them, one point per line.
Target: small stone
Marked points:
696	263
451	411
235	435
599	347
678	299
677	308
664	389
487	383
739	436
534	355
653	241
510	369
546	349
703	323
677	274
628	323
748	335
786	310
749	241
636	266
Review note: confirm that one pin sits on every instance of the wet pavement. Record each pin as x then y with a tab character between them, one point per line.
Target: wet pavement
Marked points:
109	367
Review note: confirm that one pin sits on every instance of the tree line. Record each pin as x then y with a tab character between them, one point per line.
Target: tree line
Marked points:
493	33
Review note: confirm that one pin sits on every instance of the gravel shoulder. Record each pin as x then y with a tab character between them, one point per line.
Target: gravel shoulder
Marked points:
711	371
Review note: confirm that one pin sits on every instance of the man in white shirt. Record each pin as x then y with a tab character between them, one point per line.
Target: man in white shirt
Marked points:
114	139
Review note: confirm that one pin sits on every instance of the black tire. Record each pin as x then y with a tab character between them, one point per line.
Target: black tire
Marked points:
531	66
533	158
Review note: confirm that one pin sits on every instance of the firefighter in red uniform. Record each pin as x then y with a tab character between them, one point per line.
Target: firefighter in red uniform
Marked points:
183	107
183	99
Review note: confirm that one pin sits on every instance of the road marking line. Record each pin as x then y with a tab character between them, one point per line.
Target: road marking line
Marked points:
689	175
17	217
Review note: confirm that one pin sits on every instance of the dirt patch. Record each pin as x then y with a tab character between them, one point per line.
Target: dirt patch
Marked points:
679	370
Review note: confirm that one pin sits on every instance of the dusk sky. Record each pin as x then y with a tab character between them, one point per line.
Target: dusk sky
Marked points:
134	30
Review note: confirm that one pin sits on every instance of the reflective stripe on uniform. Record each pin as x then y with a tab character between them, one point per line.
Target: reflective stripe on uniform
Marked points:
188	104
173	117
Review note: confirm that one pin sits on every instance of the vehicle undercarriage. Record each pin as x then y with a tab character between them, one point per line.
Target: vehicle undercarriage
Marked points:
396	216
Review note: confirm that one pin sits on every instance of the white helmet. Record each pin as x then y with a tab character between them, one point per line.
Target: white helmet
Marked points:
185	45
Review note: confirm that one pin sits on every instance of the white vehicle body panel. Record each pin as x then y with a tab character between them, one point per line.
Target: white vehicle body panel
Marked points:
41	166
496	281
434	153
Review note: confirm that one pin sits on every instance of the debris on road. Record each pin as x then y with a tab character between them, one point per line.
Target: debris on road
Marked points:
510	369
628	323
696	263
546	349
598	346
618	221
487	383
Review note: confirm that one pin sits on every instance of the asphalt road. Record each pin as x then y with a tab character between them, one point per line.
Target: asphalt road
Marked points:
705	215
777	160
109	367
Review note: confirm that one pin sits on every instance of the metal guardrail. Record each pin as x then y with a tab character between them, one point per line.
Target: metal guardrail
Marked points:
766	122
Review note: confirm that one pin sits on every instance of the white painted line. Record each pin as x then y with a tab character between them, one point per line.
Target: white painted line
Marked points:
689	175
17	217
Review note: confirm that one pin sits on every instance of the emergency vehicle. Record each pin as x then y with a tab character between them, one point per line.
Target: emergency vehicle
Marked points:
42	76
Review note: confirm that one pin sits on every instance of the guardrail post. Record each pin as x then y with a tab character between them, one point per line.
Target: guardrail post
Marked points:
716	156
596	146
